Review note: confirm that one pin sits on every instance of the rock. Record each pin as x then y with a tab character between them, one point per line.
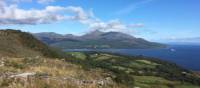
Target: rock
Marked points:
37	57
101	83
2	64
136	87
23	75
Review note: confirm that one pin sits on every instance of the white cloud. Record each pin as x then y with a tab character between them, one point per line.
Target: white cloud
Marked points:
113	25
79	13
12	14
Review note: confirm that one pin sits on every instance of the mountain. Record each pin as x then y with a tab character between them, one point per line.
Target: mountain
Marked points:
21	44
96	39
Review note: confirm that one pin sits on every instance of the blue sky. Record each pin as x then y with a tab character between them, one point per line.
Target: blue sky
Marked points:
156	20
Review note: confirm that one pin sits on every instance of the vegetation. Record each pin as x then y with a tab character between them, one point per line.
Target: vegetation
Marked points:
127	70
50	73
93	71
20	44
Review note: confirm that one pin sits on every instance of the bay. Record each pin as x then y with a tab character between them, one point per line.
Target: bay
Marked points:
187	56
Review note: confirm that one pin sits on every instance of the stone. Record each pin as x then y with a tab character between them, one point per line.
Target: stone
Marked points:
23	75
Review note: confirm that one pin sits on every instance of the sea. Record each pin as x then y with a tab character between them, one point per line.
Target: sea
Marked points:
186	56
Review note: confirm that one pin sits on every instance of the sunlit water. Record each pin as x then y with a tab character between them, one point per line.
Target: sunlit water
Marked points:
187	56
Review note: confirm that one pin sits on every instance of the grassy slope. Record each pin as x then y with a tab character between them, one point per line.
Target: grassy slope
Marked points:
50	73
72	72
20	44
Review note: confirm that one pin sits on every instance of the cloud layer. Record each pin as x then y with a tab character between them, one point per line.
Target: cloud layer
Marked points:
11	14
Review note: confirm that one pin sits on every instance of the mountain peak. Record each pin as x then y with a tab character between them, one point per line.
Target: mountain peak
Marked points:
96	32
93	34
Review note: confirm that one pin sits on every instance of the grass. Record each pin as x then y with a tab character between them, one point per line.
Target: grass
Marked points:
147	62
158	82
16	43
77	55
126	69
85	70
60	74
151	81
186	86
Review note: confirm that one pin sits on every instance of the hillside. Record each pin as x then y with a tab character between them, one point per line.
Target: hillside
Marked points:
138	71
94	70
20	44
20	67
96	39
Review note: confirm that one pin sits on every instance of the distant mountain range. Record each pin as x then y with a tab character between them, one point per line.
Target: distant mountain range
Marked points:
95	40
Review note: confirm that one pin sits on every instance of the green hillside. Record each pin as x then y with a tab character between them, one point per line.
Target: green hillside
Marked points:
138	71
21	44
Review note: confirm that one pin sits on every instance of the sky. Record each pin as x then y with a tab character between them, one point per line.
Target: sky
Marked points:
155	20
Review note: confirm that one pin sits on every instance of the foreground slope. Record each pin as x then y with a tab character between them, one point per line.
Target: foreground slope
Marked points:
96	39
93	70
